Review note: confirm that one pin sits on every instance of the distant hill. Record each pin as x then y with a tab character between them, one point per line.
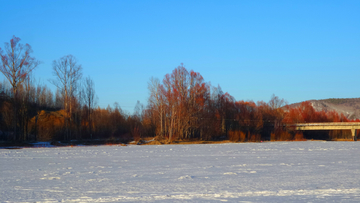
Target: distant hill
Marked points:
350	107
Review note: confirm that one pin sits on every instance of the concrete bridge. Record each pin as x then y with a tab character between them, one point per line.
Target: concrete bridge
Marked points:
353	126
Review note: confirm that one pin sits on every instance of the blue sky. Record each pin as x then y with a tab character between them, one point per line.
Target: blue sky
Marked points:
297	50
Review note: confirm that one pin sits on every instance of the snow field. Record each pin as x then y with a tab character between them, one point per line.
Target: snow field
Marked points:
244	172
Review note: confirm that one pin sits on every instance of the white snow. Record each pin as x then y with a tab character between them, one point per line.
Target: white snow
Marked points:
246	172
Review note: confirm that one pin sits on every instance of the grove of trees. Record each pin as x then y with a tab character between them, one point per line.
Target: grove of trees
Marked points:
181	106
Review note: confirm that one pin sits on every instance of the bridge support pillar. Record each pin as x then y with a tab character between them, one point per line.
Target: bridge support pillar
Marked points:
353	133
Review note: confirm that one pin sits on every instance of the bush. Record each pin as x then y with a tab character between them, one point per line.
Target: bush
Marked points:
281	135
299	137
237	136
136	134
255	138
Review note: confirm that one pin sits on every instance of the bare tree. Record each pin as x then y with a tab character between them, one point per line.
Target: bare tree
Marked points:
275	105
58	103
138	110
67	73
16	64
89	99
156	101
275	102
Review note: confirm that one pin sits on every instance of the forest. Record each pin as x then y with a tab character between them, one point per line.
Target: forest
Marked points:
181	106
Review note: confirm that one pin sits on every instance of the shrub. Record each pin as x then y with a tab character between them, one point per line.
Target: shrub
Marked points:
299	137
236	136
136	134
255	138
281	135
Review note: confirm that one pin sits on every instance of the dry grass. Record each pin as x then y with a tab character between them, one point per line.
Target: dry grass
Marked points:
160	141
342	139
155	142
200	142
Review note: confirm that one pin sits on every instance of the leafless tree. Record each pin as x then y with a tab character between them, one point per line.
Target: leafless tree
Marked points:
16	64
67	73
58	103
156	101
138	110
275	102
89	98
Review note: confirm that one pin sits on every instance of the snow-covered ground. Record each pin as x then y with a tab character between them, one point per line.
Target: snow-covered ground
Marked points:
249	172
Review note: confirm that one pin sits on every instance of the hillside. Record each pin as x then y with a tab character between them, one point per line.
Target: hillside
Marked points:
350	107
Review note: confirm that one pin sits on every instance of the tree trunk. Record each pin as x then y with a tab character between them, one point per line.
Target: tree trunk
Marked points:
171	124
15	114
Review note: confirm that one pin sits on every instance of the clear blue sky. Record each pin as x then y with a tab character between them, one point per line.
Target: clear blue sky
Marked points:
298	50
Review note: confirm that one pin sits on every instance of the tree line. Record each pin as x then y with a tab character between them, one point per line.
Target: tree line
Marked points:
31	111
180	107
184	106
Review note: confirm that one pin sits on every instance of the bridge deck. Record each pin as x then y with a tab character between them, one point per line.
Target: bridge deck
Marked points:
353	126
